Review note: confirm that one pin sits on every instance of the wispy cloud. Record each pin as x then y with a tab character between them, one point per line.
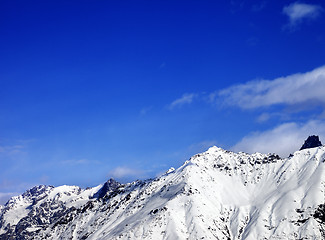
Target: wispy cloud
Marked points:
13	187
259	6
283	139
202	146
236	5
145	110
4	197
15	149
79	162
126	172
301	88
298	12
11	150
187	98
162	65
263	117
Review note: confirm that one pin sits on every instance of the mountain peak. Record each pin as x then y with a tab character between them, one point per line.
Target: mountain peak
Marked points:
217	194
311	142
110	185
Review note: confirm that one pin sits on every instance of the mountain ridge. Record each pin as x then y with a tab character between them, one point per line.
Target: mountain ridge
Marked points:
217	194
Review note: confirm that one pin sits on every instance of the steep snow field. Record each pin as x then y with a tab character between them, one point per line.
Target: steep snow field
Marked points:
215	195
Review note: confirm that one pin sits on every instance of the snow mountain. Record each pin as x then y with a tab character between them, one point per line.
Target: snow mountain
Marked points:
216	194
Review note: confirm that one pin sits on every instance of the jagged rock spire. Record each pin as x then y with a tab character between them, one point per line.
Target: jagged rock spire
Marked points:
311	142
111	184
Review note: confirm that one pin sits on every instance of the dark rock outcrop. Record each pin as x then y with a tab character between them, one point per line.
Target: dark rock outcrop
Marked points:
311	142
110	185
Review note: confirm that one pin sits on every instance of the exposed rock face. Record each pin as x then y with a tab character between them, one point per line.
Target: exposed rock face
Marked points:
24	216
110	185
311	142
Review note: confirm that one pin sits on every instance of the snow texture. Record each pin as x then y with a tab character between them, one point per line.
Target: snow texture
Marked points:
217	194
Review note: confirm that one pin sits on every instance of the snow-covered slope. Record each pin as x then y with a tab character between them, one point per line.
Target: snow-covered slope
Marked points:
215	195
38	207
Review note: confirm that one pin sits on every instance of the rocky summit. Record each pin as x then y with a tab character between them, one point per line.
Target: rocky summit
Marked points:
311	142
216	194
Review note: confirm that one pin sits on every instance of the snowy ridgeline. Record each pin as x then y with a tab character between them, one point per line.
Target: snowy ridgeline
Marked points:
215	195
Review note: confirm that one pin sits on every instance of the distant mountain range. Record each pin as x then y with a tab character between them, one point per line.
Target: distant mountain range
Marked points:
216	194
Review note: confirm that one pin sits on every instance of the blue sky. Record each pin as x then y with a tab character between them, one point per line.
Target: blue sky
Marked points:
126	89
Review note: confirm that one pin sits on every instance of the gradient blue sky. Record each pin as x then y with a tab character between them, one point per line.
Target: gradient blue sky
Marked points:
96	89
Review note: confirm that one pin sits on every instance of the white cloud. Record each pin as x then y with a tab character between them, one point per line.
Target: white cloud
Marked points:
297	12
126	172
302	88
283	139
187	98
